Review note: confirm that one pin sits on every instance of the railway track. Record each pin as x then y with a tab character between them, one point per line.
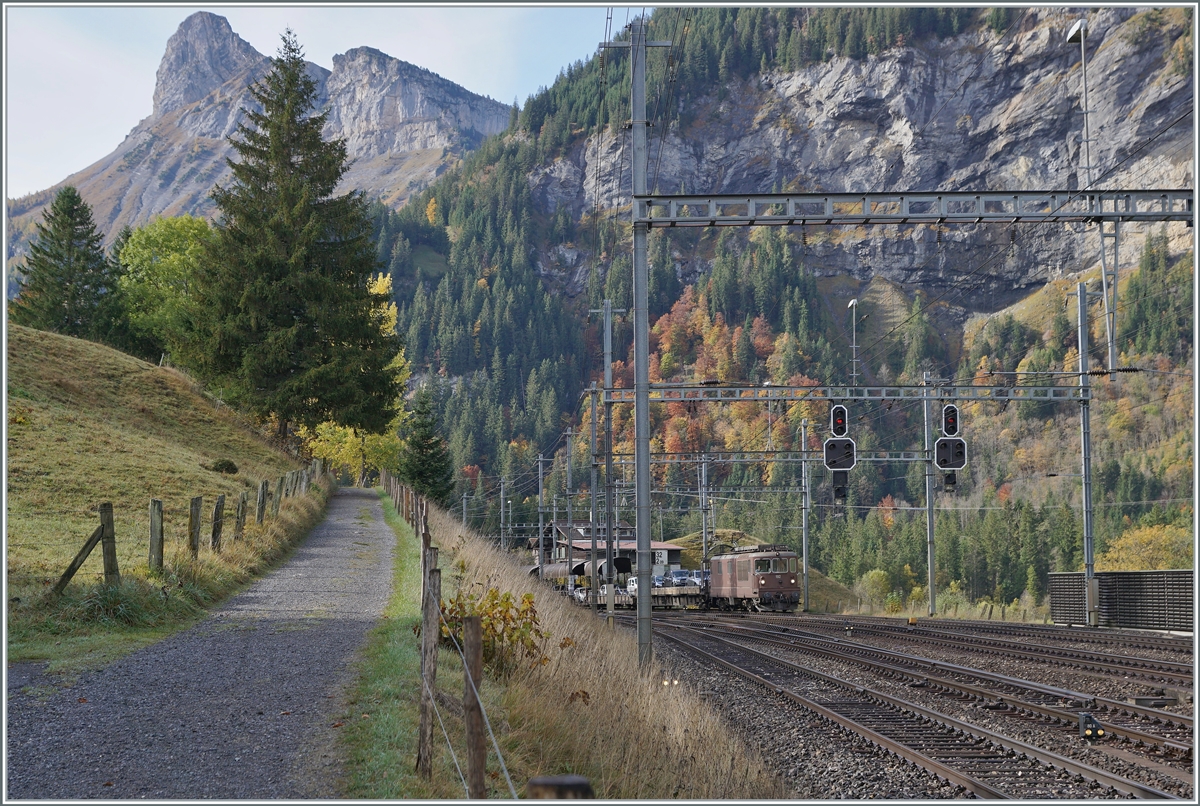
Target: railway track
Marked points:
984	763
1116	639
1146	728
1152	671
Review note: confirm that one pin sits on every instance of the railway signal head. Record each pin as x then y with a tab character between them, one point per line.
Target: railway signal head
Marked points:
1089	726
837	420
841	486
950	480
950	453
950	420
840	454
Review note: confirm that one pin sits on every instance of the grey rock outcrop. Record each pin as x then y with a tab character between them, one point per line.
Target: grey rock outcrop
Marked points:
976	112
403	126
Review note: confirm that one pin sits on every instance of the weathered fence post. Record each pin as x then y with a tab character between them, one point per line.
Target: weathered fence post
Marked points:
239	521
218	522
473	711
108	545
429	647
278	498
194	526
261	505
156	535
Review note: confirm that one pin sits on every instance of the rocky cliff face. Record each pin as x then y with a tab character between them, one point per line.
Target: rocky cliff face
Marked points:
976	112
403	126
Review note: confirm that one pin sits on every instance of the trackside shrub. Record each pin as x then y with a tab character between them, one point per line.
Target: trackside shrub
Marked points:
512	633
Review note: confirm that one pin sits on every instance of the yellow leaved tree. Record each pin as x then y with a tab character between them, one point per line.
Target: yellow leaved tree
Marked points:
358	452
1149	548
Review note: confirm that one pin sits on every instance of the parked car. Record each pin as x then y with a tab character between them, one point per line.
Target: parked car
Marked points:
658	581
679	577
631	585
581	595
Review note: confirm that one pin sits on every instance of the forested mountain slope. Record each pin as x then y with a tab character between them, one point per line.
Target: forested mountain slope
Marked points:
839	100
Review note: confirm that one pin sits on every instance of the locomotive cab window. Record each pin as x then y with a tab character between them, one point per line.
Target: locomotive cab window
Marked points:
792	565
762	566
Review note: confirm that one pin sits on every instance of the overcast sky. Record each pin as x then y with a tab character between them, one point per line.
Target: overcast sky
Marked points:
78	79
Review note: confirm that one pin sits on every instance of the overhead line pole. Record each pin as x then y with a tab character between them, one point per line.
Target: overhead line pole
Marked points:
1091	593
541	522
609	577
806	500
929	513
637	45
592	514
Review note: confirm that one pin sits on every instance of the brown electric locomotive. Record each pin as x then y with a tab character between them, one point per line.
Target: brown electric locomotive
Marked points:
755	578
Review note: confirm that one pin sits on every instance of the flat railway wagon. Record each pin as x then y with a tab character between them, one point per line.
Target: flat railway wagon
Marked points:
754	578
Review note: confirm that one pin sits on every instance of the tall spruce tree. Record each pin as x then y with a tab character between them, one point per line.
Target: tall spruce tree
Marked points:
284	314
69	283
425	460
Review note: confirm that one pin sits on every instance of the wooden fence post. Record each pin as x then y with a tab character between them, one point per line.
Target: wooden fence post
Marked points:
194	526
473	711
261	505
218	522
108	545
156	535
239	520
429	646
278	498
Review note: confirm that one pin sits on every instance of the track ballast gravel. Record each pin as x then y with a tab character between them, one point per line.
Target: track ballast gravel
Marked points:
242	706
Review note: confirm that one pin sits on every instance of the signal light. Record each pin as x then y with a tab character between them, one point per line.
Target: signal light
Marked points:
837	420
840	454
950	420
950	453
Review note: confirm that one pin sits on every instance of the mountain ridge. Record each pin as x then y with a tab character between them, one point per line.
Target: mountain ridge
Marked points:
403	126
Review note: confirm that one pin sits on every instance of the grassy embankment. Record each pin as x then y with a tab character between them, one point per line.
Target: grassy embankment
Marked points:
587	710
87	424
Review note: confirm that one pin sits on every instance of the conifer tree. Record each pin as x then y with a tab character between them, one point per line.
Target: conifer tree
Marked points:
425	459
68	280
284	315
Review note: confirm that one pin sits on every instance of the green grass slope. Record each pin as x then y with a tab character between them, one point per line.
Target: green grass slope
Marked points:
88	424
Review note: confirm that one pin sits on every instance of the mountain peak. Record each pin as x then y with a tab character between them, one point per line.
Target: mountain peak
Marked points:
201	55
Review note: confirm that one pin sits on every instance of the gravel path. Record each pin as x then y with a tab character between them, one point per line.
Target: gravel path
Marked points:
243	705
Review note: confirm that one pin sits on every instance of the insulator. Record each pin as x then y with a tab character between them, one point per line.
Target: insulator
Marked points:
939	236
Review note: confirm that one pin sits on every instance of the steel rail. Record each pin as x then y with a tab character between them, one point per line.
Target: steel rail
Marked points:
1118	664
1108	636
941	770
1123	785
851	653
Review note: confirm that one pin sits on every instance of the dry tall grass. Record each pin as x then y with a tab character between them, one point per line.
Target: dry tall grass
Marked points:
591	711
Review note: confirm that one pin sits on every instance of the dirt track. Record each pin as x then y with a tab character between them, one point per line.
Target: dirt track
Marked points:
240	706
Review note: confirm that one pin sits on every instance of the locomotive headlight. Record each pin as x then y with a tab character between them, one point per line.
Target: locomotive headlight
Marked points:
762	580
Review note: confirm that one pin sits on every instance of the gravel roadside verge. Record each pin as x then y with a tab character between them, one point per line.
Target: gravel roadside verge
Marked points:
243	705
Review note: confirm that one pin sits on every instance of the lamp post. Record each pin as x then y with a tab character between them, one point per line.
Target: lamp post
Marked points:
853	306
1078	33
